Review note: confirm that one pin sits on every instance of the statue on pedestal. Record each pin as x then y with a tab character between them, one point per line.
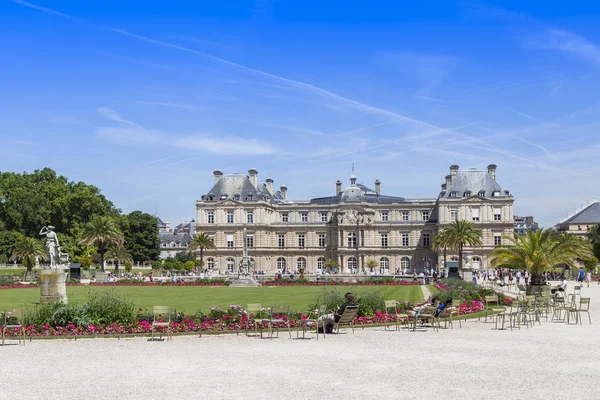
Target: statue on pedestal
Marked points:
52	246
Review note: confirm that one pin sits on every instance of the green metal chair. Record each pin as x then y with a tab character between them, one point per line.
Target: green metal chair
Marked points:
13	319
162	319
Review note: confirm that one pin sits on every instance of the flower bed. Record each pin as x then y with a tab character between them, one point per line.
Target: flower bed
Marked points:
337	283
454	288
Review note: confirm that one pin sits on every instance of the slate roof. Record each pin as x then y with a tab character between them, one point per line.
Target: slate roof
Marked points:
473	181
160	222
190	226
589	215
181	238
358	193
239	187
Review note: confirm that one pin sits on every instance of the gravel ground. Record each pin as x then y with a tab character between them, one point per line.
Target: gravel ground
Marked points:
476	362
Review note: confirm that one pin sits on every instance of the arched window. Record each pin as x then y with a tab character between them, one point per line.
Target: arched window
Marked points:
384	264
210	263
351	240
454	258
476	262
301	263
230	265
352	264
280	264
321	263
405	262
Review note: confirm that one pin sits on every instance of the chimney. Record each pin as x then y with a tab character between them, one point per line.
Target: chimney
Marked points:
218	175
253	177
283	190
444	187
338	187
453	171
378	187
448	181
269	182
492	171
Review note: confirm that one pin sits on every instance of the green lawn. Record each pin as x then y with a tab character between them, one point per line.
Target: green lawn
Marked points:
191	298
21	271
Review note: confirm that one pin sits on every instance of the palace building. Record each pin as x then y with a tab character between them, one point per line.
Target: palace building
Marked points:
351	226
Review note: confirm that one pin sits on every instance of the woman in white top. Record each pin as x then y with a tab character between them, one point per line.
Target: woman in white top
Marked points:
588	278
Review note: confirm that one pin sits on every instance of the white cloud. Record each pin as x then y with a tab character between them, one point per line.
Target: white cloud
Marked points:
224	145
109	113
567	42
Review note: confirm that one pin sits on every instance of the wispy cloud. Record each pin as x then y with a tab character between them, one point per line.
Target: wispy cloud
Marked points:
136	134
569	43
429	99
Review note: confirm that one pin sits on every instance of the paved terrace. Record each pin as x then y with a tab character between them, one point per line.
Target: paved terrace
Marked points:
550	361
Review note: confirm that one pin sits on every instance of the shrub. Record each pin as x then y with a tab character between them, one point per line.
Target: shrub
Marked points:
216	313
331	298
369	302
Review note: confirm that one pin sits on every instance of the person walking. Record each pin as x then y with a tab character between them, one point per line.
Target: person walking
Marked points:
588	278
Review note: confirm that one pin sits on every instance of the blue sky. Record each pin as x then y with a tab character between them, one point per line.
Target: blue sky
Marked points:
145	99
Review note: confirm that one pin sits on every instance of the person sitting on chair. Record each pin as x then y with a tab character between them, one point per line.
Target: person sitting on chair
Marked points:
329	320
443	306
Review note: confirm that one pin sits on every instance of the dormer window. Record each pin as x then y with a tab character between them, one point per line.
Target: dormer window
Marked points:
250	196
496	193
236	196
467	194
223	197
453	194
481	193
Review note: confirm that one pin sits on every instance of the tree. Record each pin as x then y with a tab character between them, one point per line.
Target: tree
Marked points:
118	254
461	234
371	264
590	264
537	252
594	237
27	250
8	240
201	242
140	231
330	264
102	232
85	261
189	265
442	241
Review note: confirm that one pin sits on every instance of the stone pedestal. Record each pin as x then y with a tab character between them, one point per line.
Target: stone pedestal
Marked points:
244	282
467	274
53	286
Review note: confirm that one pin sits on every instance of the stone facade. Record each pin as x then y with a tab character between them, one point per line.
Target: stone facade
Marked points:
353	226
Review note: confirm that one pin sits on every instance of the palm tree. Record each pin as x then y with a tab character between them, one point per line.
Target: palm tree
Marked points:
118	254
462	233
442	241
537	252
330	264
102	232
27	250
201	242
371	264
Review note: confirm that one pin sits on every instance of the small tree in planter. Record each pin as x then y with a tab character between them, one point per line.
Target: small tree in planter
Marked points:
371	264
330	264
128	266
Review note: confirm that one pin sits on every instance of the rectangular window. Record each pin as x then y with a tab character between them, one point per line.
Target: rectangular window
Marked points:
405	240
281	241
284	217
250	241
497	238
211	217
425	215
212	238
304	217
250	217
230	217
322	241
384	240
230	241
453	214
301	241
324	217
404	215
426	240
384	216
475	214
497	214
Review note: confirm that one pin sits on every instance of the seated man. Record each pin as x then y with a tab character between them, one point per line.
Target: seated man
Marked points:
443	306
329	320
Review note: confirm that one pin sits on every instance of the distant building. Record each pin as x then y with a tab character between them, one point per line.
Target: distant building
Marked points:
522	224
162	226
351	226
173	243
189	227
582	220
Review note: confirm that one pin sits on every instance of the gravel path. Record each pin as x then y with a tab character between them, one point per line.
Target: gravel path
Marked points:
476	362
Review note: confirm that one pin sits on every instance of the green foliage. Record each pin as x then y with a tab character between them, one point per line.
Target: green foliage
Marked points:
594	237
184	256
189	265
466	290
590	264
85	261
8	239
371	264
141	236
462	234
380	280
157	264
27	249
330	264
331	298
100	308
217	313
101	232
31	201
3	259
537	252
172	264
128	266
369	302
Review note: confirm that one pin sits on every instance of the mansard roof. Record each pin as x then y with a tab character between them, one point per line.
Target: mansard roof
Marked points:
590	215
239	187
473	182
181	238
